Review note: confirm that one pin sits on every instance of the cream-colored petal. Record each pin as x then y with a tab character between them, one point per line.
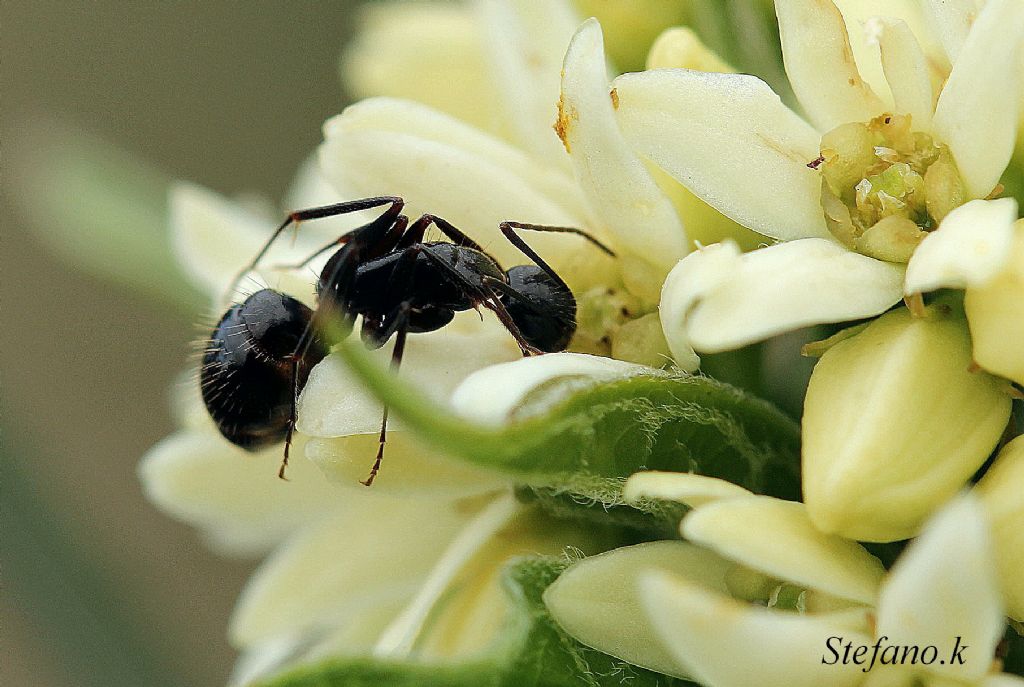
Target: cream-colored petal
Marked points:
731	303
186	403
369	548
400	116
906	69
265	659
778	538
618	186
212	236
729	644
1001	680
525	41
443	167
409	470
492	395
951	21
995	313
976	115
944	586
969	248
235	498
730	140
1000	492
334	403
473	614
310	188
858	15
598	599
683	487
402	49
820	64
361	626
695	277
398	638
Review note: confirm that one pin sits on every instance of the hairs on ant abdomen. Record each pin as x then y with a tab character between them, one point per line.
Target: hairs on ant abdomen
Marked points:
260	353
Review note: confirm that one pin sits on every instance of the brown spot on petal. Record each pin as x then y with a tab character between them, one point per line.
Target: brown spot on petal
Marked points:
615	98
995	192
781	149
915	303
566	116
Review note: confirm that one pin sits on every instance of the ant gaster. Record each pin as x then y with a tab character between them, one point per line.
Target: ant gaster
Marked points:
260	354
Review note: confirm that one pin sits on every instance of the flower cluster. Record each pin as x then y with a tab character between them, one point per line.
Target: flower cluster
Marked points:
875	208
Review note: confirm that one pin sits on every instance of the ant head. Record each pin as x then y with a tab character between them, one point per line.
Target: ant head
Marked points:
543	309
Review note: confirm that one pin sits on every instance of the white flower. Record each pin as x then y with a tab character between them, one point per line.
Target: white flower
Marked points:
879	197
476	179
731	141
685	608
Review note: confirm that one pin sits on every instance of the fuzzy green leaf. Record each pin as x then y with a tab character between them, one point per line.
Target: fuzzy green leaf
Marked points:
533	652
573	443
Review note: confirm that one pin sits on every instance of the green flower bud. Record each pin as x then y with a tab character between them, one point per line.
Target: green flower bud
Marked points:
995	312
680	48
632	25
884	185
895	423
1000	491
641	341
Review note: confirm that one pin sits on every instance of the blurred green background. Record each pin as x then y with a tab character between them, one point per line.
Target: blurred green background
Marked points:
98	587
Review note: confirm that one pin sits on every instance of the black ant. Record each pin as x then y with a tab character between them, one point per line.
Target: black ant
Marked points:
260	354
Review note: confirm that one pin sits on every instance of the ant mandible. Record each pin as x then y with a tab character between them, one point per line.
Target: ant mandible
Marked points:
260	353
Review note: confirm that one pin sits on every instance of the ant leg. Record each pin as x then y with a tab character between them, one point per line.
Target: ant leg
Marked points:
293	415
509	227
342	240
400	326
498	308
507	290
415	233
324	211
451	231
489	300
398	228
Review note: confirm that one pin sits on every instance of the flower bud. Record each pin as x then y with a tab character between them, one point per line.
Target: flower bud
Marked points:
1001	492
632	25
995	312
895	423
641	341
680	48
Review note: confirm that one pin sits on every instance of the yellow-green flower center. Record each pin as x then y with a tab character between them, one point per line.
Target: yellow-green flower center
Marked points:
883	185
